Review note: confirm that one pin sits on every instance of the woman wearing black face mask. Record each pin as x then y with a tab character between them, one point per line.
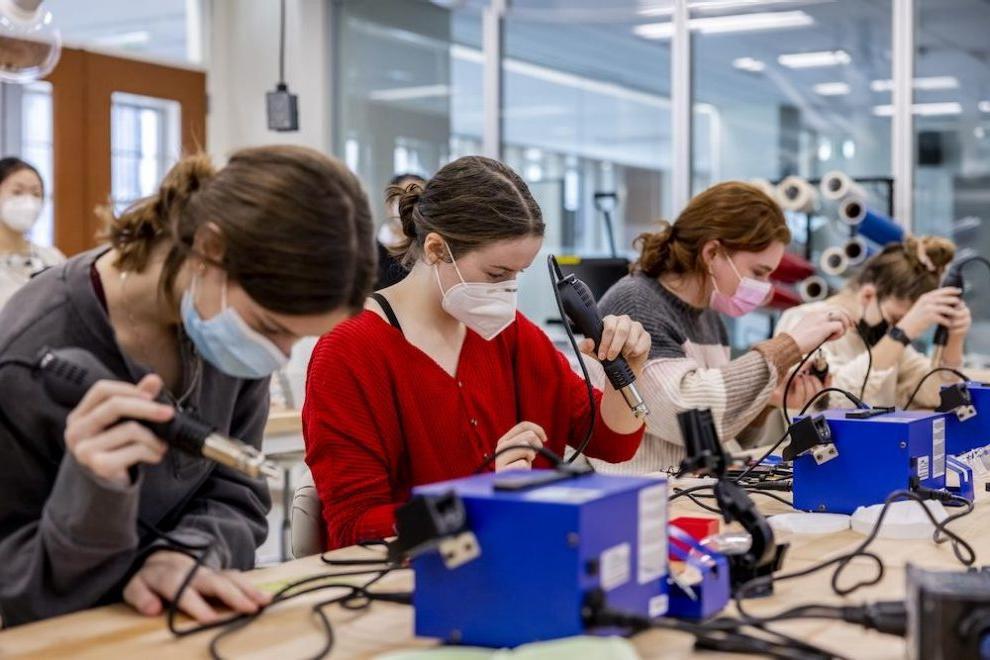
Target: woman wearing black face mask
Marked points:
895	298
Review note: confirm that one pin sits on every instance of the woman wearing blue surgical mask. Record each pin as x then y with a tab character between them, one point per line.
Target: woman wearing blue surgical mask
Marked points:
199	296
441	371
22	195
716	259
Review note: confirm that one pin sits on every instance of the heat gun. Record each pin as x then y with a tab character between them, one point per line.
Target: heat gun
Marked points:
68	373
578	305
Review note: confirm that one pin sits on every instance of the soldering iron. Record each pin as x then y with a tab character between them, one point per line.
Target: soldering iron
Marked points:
578	305
953	278
68	373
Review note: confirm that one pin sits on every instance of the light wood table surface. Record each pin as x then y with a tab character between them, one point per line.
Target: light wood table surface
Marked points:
290	631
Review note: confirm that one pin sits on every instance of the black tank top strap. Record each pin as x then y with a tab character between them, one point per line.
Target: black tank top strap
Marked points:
387	308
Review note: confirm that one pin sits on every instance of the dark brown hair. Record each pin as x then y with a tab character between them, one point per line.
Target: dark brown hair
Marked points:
295	224
740	216
907	270
471	202
12	165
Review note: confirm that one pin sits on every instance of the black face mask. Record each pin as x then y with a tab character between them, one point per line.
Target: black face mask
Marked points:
872	334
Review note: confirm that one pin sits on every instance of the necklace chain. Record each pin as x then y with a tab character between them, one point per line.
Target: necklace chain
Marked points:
144	345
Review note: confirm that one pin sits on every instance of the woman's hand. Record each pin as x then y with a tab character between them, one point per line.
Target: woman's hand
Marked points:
938	307
523	433
817	327
161	575
962	321
94	436
803	389
621	336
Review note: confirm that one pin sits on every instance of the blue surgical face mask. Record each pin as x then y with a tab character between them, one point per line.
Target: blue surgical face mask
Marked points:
227	342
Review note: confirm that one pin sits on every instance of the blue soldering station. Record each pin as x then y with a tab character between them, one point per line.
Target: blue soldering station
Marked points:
541	546
967	425
851	458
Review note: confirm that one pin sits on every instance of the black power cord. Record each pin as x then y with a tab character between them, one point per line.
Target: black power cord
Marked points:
790	381
556	460
869	362
555	276
725	634
849	395
281	45
843	560
931	373
356	597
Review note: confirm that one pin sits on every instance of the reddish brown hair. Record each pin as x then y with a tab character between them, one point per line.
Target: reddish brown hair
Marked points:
740	216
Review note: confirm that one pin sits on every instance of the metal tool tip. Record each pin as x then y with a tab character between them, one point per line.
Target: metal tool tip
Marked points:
270	470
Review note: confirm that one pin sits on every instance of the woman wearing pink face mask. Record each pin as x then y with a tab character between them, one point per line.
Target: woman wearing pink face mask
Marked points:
715	259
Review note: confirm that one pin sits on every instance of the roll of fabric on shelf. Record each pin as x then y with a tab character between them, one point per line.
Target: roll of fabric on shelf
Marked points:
834	261
871	225
836	186
812	289
796	194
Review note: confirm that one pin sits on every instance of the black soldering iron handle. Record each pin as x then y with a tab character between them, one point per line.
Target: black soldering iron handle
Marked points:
580	307
69	373
952	278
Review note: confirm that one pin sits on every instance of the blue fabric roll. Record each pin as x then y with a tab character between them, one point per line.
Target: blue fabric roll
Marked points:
880	229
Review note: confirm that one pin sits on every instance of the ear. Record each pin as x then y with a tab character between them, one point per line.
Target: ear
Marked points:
435	249
708	252
209	243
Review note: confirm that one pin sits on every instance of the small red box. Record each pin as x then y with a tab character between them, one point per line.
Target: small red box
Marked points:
698	528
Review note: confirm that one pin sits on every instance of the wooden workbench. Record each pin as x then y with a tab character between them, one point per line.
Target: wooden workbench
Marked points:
290	631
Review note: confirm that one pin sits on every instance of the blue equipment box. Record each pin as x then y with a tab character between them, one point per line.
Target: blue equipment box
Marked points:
543	549
877	456
961	437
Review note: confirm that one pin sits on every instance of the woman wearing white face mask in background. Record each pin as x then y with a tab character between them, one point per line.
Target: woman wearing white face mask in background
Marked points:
22	195
715	259
441	372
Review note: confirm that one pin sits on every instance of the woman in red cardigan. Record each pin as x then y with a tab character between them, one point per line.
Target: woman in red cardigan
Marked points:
440	371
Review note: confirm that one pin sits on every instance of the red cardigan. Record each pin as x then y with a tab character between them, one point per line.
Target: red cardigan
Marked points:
381	416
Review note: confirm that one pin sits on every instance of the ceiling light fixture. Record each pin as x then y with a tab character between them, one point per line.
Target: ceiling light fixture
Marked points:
928	84
749	64
832	89
820	58
725	24
667	9
922	109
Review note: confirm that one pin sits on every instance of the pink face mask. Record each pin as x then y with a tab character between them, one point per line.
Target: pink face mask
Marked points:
749	295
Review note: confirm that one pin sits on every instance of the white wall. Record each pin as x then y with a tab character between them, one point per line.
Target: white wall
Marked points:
241	57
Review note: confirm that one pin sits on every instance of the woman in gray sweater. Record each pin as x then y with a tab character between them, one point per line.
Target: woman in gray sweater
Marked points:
202	292
715	259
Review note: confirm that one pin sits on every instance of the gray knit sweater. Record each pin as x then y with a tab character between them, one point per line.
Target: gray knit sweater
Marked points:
689	367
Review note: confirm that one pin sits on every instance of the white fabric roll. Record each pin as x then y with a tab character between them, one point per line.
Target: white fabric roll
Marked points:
838	185
796	194
768	188
856	250
852	210
813	289
834	261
